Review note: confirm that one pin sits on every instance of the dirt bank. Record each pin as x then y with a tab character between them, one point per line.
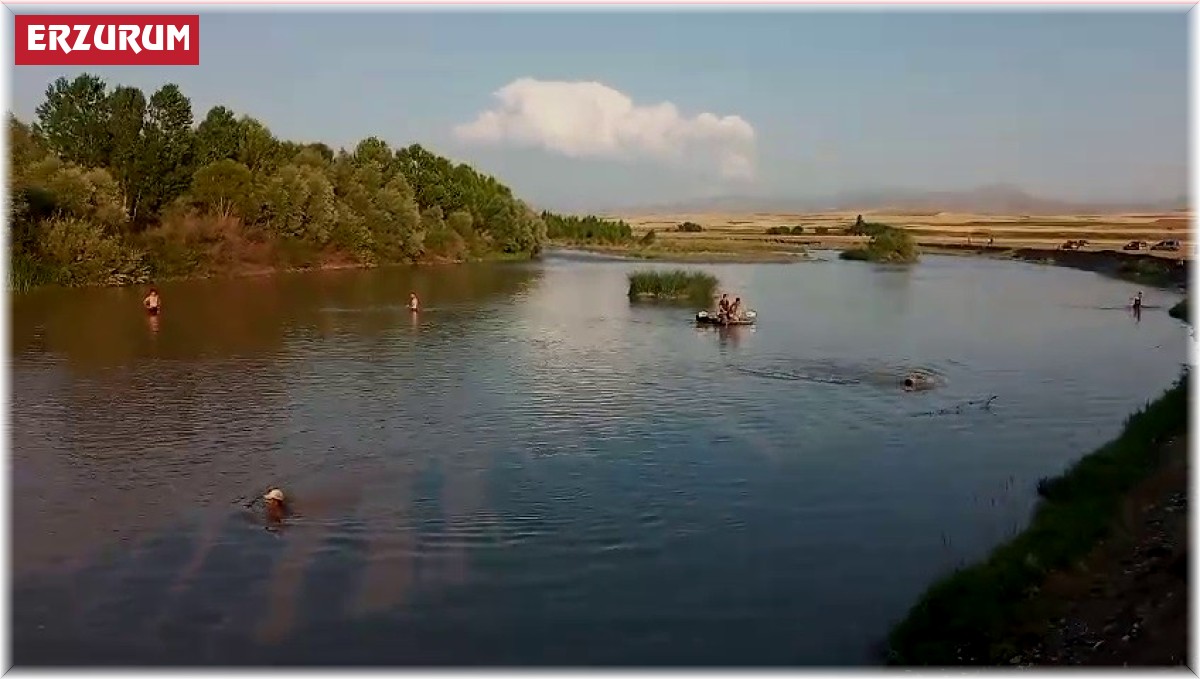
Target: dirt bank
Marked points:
1142	267
1126	603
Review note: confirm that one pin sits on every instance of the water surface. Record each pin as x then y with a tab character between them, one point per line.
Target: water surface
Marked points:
533	470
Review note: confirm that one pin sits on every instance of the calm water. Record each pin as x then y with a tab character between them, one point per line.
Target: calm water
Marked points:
534	470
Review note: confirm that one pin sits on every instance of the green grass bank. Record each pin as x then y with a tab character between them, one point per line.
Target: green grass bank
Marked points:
978	615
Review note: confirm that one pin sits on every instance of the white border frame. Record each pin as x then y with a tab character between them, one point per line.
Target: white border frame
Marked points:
146	6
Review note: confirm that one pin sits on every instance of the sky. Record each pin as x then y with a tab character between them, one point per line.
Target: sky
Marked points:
596	109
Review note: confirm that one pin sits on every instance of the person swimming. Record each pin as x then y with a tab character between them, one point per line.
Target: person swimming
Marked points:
413	303
152	303
276	506
915	381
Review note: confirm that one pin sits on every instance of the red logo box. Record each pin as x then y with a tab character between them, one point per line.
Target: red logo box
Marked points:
107	39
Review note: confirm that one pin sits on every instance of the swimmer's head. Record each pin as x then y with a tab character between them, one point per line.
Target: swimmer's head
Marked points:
909	382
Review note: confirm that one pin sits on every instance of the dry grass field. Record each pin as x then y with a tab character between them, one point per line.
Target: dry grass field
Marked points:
746	233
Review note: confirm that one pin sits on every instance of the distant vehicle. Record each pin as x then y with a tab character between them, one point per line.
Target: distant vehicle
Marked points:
1073	244
1136	245
1170	244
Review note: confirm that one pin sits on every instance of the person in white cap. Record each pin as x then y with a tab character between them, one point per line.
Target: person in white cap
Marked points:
276	505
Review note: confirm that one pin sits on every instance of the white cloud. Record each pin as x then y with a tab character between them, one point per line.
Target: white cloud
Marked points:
592	120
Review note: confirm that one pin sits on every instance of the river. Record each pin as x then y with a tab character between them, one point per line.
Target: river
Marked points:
536	471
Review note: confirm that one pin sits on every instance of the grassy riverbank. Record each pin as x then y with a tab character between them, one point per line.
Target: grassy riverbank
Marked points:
695	251
994	612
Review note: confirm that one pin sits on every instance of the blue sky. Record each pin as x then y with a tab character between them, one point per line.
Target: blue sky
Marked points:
1071	105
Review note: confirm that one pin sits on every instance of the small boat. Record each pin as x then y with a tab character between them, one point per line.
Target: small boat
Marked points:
748	318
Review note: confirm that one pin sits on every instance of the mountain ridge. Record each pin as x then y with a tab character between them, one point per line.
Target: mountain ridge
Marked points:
993	199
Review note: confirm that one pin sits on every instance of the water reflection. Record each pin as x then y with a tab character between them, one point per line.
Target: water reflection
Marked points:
223	318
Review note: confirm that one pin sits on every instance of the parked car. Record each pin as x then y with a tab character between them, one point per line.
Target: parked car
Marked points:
1170	244
1136	245
1073	244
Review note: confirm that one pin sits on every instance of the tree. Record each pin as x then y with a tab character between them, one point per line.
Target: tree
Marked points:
373	150
223	188
462	223
257	147
127	114
169	151
217	136
74	120
24	147
300	204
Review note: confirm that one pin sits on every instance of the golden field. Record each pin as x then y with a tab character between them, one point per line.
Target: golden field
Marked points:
730	233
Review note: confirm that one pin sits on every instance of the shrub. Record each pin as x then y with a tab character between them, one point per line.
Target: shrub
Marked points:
649	238
887	245
81	253
797	230
445	243
1180	310
689	227
587	229
821	230
694	286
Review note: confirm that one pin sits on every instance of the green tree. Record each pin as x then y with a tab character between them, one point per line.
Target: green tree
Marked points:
300	204
373	150
169	150
24	147
74	120
127	115
217	136
257	147
223	188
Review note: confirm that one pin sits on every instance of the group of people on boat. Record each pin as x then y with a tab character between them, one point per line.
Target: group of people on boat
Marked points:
730	311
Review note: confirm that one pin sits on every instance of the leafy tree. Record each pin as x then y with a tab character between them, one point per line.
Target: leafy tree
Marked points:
169	151
74	120
373	150
223	188
218	136
257	147
127	115
24	147
300	204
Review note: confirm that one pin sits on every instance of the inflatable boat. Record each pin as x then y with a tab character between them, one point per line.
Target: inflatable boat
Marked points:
706	318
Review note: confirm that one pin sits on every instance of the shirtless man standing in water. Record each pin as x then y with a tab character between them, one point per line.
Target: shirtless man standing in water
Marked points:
152	303
413	304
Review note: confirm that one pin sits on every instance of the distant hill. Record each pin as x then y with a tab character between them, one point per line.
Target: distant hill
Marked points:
998	199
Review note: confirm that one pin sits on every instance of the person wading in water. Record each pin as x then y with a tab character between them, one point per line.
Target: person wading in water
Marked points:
152	303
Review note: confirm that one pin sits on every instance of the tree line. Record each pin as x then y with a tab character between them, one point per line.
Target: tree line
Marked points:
111	187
